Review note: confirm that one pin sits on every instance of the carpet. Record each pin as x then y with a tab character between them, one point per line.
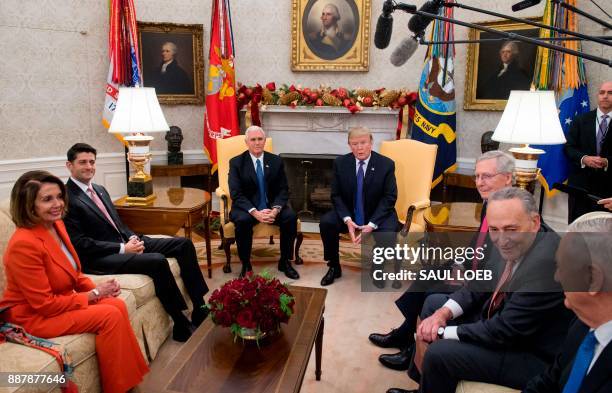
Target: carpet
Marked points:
310	251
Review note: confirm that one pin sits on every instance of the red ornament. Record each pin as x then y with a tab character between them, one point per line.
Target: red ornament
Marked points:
271	86
320	102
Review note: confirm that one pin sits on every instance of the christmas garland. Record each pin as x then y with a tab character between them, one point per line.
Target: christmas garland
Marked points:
258	96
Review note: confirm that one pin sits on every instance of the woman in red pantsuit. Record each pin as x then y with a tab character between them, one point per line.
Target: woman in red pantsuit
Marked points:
47	293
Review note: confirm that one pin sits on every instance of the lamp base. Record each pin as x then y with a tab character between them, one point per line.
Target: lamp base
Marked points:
138	201
140	191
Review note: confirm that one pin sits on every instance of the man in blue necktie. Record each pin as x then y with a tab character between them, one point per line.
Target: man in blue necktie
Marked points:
259	192
363	194
584	269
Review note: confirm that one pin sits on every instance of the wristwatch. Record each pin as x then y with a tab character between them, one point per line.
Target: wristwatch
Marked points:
96	292
441	332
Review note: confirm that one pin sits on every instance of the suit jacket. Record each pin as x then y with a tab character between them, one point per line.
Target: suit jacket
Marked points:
598	380
92	234
40	280
532	317
243	186
582	141
379	188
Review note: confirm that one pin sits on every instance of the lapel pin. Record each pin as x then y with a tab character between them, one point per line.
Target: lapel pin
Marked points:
267	166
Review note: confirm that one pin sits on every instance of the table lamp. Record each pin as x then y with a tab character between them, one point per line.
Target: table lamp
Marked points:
530	117
138	112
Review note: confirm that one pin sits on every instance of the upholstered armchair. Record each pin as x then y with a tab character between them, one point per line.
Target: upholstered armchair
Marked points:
414	167
227	149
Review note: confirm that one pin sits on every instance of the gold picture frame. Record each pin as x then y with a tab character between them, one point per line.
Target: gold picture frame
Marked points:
181	80
330	44
486	86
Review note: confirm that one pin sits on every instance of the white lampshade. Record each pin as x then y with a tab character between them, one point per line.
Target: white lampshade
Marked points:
138	111
530	117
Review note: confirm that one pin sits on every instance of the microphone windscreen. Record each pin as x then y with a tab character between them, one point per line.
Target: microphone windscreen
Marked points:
404	51
384	28
418	23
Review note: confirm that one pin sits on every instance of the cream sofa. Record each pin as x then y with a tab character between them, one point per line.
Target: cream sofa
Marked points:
150	322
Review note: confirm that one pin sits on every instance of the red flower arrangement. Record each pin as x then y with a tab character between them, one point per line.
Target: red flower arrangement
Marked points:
256	303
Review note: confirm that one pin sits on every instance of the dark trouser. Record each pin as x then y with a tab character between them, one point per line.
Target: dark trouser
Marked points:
411	304
331	226
578	205
152	262
244	222
447	362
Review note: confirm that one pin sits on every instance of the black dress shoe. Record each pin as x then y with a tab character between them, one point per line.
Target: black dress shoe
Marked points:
246	267
397	361
400	390
331	275
285	267
182	332
389	340
199	315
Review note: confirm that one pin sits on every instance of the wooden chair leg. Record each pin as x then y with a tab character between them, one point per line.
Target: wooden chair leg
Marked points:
222	237
227	268
271	239
298	243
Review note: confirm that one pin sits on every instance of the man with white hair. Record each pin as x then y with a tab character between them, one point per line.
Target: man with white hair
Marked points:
507	77
329	42
259	192
493	172
171	78
584	269
504	331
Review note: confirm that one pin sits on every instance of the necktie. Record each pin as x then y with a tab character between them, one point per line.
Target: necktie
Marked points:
262	187
359	214
484	229
601	132
499	295
96	199
583	359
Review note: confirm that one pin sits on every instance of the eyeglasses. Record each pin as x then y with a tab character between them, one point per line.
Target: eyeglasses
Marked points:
485	176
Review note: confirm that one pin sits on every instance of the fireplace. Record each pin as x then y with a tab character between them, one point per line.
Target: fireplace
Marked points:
309	177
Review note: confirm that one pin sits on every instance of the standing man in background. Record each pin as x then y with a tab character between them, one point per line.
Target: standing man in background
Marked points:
589	150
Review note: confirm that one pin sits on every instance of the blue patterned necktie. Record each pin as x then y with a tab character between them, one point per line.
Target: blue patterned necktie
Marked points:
262	187
584	356
601	133
359	215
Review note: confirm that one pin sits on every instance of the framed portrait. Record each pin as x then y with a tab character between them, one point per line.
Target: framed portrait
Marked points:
496	67
330	35
172	61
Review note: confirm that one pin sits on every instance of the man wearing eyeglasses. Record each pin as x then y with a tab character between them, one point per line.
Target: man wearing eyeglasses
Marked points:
493	172
259	192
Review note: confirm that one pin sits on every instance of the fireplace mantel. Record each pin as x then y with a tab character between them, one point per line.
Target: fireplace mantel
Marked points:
323	130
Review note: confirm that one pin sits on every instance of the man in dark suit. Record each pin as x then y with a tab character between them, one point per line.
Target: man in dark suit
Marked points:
508	329
107	246
493	172
259	192
363	193
589	150
584	269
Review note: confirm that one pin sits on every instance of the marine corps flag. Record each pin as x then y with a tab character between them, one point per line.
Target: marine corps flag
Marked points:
435	114
221	116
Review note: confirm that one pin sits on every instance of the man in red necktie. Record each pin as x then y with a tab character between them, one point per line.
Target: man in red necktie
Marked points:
505	332
493	172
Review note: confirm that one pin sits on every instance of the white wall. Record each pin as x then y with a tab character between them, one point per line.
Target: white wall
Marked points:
54	67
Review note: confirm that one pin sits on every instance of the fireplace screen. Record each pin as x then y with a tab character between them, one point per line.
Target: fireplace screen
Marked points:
309	177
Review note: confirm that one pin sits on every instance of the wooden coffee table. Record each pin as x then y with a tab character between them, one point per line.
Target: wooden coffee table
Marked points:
211	361
173	208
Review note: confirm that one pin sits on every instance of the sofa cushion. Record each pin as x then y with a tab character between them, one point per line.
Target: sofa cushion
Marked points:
139	285
480	387
6	231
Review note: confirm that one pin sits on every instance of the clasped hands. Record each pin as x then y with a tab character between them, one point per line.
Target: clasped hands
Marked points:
109	288
266	216
134	245
428	328
595	162
355	231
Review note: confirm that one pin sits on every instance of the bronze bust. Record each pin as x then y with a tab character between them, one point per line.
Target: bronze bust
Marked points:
174	138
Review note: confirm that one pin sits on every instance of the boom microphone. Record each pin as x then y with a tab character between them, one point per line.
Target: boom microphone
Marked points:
418	23
521	5
384	26
404	51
